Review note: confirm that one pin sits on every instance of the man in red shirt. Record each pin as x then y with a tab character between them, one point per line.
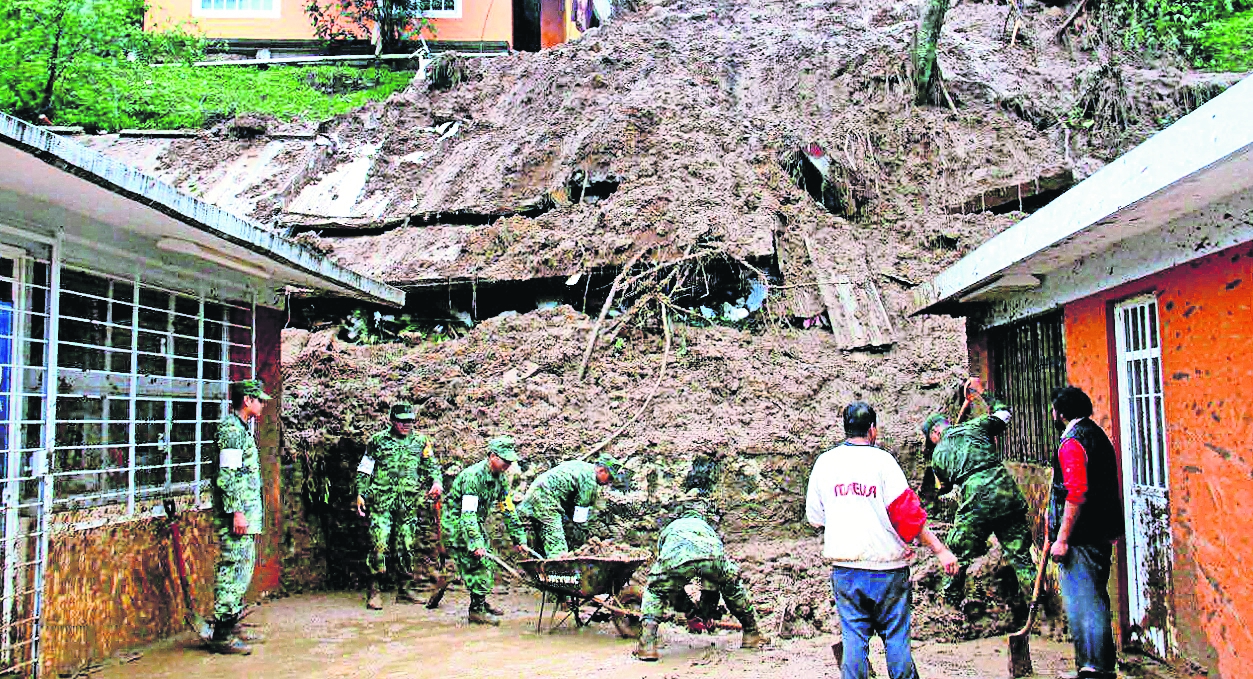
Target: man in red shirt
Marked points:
1085	519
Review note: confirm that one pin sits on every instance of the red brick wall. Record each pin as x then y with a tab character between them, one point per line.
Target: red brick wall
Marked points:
1206	311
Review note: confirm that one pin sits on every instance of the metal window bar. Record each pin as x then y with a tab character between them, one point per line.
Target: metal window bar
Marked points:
165	450
1028	362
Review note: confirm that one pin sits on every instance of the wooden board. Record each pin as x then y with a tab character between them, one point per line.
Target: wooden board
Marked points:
859	318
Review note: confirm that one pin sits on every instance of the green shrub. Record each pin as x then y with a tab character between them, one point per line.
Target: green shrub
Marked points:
1170	25
1227	44
130	95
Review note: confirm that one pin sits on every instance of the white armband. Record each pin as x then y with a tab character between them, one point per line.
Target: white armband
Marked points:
469	504
367	465
581	513
231	458
1002	415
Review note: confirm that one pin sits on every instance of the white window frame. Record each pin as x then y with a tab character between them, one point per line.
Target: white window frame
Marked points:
198	9
204	392
454	13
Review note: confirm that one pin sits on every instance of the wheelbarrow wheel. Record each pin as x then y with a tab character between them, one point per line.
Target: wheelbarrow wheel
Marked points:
629	626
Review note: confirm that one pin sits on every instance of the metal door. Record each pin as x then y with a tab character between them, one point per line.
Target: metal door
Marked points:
1146	475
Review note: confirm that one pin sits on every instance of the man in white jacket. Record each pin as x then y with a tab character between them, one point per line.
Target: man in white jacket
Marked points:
859	496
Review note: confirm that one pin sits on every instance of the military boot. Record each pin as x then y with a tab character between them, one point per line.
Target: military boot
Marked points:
479	615
224	640
752	637
373	598
647	650
487	606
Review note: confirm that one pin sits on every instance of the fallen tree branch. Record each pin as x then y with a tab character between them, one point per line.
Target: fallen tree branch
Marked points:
661	374
604	310
1057	35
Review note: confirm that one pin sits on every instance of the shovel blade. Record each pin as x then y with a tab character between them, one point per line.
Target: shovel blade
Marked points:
1020	656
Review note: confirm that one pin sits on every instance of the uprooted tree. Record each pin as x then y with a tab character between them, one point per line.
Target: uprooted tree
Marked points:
927	77
387	22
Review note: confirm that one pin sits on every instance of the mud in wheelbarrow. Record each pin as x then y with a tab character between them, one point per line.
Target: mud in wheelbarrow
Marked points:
599	583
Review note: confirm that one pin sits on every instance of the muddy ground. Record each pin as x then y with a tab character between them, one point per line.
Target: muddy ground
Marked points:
333	635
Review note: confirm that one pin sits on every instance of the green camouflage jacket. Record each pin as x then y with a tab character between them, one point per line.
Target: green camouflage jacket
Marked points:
561	489
966	456
396	466
685	540
238	483
466	503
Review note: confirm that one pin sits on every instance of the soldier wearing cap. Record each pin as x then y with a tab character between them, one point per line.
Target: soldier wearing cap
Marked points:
567	490
398	468
689	548
478	487
238	513
991	502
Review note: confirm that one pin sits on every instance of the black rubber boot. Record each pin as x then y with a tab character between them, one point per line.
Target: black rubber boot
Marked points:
479	614
224	640
647	650
752	637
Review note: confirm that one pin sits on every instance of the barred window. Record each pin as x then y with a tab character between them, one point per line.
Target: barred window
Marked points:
436	9
141	383
1028	363
236	7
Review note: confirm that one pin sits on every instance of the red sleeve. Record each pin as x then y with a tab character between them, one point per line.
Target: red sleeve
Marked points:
1074	461
907	515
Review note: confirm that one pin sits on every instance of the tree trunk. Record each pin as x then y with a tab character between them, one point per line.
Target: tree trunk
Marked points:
45	103
926	70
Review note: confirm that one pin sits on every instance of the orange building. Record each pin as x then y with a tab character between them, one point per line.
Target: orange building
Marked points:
523	24
1137	286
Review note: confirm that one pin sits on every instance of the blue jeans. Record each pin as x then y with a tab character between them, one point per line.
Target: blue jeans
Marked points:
870	602
1084	575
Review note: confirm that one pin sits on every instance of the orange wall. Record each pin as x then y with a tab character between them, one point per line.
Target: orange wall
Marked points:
480	20
1206	311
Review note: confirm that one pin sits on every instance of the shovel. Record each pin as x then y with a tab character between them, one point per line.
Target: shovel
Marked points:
193	619
1019	642
442	581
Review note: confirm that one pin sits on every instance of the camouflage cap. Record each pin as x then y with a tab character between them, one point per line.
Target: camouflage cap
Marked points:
402	412
254	388
931	421
503	448
613	464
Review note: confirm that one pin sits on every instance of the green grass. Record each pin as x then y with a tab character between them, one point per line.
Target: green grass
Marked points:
179	96
1228	43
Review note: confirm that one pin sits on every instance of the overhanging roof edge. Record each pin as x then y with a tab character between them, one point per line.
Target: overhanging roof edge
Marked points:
1205	137
152	192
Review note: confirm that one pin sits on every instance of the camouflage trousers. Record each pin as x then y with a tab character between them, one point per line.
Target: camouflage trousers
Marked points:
479	575
720	573
547	534
968	540
396	528
236	560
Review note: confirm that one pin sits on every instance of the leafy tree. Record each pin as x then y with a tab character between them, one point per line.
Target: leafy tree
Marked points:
394	20
48	48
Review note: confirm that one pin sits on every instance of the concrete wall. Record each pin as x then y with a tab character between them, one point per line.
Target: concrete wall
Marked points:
115	586
480	20
1206	310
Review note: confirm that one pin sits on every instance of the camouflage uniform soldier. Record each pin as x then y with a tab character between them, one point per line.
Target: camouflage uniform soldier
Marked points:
396	468
991	502
238	513
478	487
569	489
687	549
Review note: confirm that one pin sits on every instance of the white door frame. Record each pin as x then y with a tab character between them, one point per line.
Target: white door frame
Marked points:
1146	474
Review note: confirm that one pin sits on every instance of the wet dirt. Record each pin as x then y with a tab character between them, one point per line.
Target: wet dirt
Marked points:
332	635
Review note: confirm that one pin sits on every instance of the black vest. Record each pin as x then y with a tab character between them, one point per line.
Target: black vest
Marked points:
1100	517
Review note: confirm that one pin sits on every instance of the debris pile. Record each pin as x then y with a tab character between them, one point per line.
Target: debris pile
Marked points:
609	549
